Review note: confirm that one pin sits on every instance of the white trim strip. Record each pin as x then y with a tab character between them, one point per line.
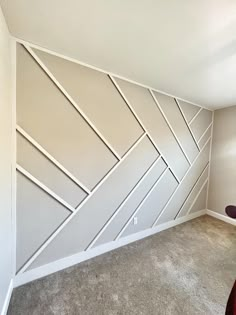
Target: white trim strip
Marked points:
186	174
140	122
204	132
83	256
51	158
190	130
27	43
45	188
13	166
169	125
199	178
71	100
221	217
194	117
200	190
123	202
140	205
7	298
60	228
210	157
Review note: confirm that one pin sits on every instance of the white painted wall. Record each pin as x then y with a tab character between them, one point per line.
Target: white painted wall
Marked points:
6	256
222	186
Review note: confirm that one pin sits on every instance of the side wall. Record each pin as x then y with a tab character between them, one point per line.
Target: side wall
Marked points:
99	159
6	259
222	188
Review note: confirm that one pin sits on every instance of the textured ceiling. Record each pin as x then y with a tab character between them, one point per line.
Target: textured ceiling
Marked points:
186	48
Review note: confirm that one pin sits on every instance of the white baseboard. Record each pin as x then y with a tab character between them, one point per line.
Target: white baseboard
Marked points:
221	217
66	262
7	299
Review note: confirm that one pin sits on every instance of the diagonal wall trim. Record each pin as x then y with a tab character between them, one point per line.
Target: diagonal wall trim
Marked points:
204	132
176	100
196	183
69	261
203	185
169	125
140	122
52	159
128	196
110	206
195	116
45	188
156	221
73	103
140	205
60	228
27	43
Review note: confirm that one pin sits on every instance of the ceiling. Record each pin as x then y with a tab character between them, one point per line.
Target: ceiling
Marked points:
186	48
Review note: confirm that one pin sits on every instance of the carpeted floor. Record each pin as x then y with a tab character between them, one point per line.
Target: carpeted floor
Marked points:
186	270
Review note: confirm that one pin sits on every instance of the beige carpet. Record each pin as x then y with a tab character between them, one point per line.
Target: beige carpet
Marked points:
188	269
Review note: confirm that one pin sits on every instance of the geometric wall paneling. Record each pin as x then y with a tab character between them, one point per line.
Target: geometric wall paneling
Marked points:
188	110
205	137
185	187
99	158
150	116
46	115
130	205
153	204
193	194
176	122
200	202
200	123
33	161
83	227
38	215
99	100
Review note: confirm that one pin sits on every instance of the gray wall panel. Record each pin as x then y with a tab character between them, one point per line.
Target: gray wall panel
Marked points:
136	181
201	123
205	137
98	98
185	186
131	204
200	202
153	205
176	120
80	231
222	188
148	112
38	215
189	110
189	201
52	121
45	171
